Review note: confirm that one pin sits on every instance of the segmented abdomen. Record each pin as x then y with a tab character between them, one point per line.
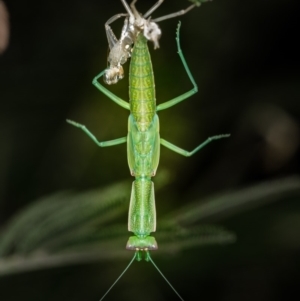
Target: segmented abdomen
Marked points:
141	84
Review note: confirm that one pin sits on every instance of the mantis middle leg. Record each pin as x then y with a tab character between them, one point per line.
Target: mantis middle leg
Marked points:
186	153
100	144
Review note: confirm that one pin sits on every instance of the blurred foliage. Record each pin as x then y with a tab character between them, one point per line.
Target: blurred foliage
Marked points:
69	243
69	228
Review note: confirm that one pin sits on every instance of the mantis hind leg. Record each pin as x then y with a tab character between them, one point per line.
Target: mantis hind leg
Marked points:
186	95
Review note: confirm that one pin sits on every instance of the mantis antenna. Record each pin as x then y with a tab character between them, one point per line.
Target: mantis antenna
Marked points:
129	264
137	255
160	272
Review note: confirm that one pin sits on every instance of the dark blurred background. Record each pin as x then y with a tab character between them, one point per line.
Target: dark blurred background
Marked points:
244	56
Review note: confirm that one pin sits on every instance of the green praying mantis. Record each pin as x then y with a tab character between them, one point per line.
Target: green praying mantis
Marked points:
143	139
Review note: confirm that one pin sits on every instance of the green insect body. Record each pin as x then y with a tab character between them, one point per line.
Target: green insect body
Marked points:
143	146
143	142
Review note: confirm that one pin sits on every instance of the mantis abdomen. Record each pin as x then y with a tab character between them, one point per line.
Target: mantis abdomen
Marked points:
141	85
